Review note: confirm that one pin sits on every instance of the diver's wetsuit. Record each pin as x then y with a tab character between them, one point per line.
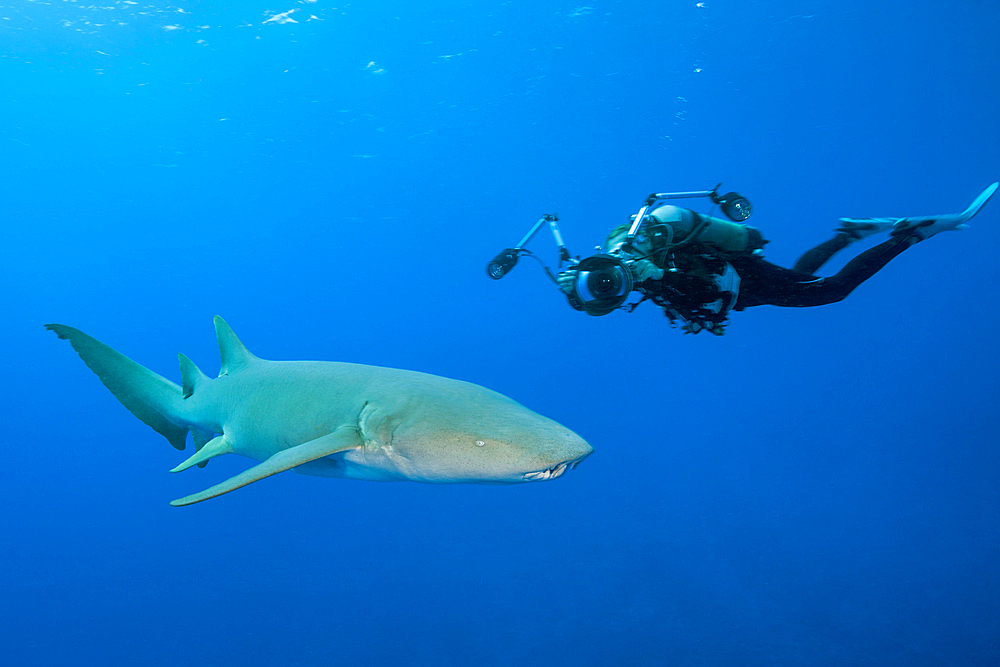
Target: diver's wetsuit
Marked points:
763	283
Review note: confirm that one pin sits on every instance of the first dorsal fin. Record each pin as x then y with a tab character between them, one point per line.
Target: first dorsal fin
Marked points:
234	354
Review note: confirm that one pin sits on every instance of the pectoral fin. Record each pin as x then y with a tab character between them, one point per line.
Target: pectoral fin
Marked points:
341	440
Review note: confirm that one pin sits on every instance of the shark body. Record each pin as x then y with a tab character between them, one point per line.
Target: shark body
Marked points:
335	419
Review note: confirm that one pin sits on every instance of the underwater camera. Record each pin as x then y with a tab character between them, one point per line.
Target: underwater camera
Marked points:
602	282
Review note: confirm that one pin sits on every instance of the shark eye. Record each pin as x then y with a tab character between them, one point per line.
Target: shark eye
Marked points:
479	443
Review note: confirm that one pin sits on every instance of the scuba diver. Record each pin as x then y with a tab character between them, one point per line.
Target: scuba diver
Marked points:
697	268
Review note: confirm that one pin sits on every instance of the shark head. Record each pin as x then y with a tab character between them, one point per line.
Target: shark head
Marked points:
456	432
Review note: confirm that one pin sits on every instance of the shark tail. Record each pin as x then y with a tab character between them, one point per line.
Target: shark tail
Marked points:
155	400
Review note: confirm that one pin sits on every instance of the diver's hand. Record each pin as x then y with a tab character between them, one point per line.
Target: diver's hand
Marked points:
643	269
566	280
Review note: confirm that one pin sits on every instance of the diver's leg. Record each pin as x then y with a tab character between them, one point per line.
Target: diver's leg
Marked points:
764	283
850	230
861	268
821	254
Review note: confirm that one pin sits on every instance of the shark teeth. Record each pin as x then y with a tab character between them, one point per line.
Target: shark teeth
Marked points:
553	472
548	473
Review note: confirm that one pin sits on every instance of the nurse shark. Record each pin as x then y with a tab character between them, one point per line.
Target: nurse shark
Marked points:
334	419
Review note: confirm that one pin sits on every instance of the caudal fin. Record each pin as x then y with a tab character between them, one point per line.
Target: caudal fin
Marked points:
155	400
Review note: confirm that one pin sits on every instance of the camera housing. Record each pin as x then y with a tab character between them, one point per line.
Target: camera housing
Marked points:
602	284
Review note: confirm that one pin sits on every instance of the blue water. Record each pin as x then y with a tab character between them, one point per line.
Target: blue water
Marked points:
819	486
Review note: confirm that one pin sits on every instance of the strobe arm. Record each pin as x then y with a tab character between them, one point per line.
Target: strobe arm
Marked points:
507	258
735	206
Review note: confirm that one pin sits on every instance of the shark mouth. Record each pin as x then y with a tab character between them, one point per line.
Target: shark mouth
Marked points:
553	472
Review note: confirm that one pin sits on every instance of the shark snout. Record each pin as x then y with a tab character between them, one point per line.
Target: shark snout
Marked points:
565	455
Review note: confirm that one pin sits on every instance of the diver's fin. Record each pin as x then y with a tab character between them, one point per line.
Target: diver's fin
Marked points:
979	202
860	228
343	439
216	447
924	227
